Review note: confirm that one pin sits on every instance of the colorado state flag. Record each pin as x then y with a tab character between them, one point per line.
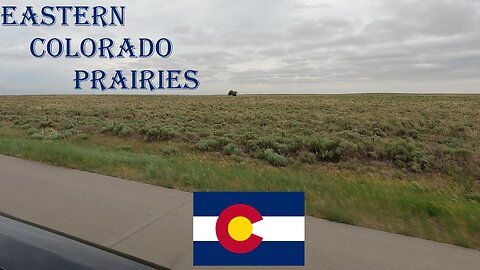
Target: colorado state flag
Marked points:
248	229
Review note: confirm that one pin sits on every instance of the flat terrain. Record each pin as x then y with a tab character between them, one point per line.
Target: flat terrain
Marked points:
400	163
143	221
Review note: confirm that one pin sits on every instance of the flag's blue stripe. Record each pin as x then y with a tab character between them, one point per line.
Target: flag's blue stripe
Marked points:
267	254
267	203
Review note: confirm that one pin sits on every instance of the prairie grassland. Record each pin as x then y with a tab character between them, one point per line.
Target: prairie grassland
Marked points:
400	163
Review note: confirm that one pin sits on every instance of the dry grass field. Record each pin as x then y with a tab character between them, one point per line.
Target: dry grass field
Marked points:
402	163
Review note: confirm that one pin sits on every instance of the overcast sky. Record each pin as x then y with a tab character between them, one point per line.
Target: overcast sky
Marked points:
273	46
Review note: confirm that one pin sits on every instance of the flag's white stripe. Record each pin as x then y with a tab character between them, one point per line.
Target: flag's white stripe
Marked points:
270	228
204	229
281	228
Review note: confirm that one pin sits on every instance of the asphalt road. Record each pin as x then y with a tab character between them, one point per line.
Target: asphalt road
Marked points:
155	224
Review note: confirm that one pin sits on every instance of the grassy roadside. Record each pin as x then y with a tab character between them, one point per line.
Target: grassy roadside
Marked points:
406	207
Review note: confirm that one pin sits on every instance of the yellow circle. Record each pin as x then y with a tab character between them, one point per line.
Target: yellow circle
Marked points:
240	228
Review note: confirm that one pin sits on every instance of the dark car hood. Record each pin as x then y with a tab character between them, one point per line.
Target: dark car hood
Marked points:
23	246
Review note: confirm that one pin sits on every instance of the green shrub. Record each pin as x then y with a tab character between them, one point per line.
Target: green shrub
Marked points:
258	144
247	136
108	128
238	159
231	149
46	123
68	126
151	134
275	159
143	130
120	130
399	152
367	148
25	126
224	140
159	133
52	134
258	154
125	131
37	136
207	145
407	155
308	158
278	144
204	133
49	134
420	161
116	130
68	133
32	131
328	149
290	146
170	151
412	133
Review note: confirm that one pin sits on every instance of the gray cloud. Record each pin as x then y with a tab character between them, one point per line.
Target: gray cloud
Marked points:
276	46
